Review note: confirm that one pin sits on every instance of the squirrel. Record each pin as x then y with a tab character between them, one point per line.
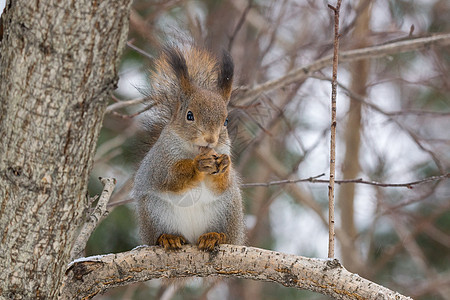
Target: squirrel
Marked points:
186	189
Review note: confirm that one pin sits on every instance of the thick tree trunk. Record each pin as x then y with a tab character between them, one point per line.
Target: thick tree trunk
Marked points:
58	63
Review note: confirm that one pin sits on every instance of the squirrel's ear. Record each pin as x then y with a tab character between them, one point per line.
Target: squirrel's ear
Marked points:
225	79
177	62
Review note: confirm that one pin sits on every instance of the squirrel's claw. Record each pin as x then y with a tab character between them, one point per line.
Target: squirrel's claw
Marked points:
170	241
212	164
206	164
222	163
210	240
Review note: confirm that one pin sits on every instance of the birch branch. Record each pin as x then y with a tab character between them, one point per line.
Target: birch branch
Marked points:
333	130
96	216
90	276
304	72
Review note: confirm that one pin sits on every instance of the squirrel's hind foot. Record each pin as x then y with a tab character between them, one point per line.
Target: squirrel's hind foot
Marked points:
210	240
170	241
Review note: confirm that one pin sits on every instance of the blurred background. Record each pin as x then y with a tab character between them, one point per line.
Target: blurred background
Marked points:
393	126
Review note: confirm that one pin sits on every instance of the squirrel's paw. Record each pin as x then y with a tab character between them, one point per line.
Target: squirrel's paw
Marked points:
212	164
170	241
210	240
206	163
222	163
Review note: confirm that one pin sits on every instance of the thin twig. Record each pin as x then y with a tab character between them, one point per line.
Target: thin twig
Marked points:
239	24
408	185
96	216
114	113
139	50
279	182
331	233
304	72
122	104
313	179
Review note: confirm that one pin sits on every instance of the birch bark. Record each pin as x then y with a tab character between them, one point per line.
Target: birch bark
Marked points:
93	275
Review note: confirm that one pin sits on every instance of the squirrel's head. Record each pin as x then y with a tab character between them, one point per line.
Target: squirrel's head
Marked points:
201	115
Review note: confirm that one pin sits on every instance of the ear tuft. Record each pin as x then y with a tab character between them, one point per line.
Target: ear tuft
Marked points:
177	62
225	79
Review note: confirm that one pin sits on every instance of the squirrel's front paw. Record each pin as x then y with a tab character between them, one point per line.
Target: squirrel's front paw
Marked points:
212	163
206	163
170	241
210	240
222	163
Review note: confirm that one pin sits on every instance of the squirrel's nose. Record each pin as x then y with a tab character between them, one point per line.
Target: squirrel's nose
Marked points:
210	140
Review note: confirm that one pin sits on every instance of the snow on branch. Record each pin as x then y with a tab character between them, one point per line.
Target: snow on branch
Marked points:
90	276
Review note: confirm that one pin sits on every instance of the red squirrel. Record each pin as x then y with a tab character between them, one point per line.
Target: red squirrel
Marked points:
186	189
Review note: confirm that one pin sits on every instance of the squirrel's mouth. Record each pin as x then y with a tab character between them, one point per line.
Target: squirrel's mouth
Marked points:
203	148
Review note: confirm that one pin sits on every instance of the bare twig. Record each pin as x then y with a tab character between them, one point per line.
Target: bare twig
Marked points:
96	216
314	179
333	131
122	104
134	114
139	50
121	202
143	28
278	182
304	72
113	144
408	185
239	24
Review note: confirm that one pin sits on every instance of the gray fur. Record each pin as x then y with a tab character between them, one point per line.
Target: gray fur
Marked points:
156	214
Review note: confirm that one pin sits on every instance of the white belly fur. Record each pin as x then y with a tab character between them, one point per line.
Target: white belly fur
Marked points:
191	213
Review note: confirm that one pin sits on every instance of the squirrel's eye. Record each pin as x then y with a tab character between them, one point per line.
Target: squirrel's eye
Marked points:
226	122
190	116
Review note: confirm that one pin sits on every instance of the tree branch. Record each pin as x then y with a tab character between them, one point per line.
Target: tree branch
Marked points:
96	216
279	182
90	276
121	104
333	131
408	185
303	72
